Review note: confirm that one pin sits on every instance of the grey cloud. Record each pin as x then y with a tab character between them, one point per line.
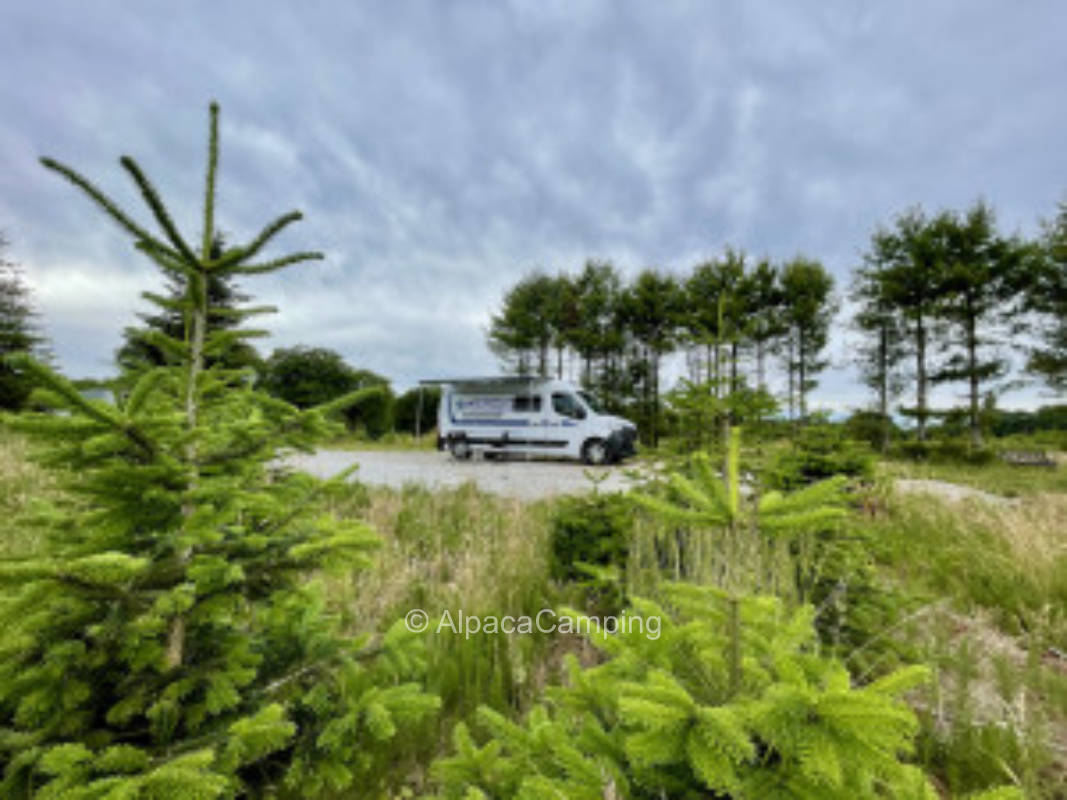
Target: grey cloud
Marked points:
441	150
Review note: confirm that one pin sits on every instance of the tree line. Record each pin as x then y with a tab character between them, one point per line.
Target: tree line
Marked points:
730	316
937	299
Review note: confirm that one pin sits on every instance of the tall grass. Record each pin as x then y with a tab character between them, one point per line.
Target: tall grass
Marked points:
995	578
1009	559
23	486
457	551
996	477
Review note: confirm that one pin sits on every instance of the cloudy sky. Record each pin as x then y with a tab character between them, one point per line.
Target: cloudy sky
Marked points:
440	150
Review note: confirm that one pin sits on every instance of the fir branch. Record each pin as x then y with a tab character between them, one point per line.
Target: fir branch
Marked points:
111	208
151	197
242	313
346	401
163	302
269	232
74	400
170	261
271	266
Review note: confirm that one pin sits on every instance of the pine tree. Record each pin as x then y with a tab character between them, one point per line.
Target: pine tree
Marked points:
650	309
1046	295
18	333
882	351
808	308
138	353
728	700
978	299
912	279
166	642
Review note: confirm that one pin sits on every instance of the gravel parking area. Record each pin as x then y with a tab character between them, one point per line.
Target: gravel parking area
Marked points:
524	480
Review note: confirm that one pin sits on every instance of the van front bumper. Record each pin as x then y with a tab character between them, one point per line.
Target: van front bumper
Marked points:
621	443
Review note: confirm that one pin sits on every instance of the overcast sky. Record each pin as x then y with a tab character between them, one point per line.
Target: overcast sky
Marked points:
440	150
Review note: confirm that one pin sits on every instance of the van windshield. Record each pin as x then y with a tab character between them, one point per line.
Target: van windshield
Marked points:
590	403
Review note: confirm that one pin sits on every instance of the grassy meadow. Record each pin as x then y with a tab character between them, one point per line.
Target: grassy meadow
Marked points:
975	590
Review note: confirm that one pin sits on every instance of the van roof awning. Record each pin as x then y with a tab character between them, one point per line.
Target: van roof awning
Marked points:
494	380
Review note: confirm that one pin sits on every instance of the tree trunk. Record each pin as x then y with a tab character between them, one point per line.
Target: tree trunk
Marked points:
883	385
760	375
972	369
175	653
802	388
655	399
920	376
733	366
791	368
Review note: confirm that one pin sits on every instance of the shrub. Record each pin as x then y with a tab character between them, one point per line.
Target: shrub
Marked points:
819	452
372	413
590	545
406	411
945	451
871	428
590	530
728	699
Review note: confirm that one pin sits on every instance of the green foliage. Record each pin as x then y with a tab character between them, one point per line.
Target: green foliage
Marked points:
871	427
590	544
532	319
593	529
415	411
18	334
819	452
164	640
945	451
700	412
1045	295
311	376
808	308
141	350
984	273
372	412
729	700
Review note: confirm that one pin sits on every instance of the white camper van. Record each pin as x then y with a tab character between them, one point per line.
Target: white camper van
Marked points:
529	416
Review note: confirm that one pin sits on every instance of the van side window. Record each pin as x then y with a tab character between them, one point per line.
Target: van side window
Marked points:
566	406
526	402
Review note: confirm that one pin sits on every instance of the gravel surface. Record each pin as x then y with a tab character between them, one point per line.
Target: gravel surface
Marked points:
953	492
525	480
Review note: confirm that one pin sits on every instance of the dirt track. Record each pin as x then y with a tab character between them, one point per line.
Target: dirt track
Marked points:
525	480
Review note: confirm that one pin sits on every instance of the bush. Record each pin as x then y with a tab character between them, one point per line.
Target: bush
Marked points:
945	451
819	452
590	545
406	410
590	530
372	414
870	427
727	697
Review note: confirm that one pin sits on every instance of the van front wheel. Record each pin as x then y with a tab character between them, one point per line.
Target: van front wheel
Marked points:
595	452
461	451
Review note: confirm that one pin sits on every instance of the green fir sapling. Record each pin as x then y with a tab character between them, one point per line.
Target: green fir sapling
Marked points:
168	640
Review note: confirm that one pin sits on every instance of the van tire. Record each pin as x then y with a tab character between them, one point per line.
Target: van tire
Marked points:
460	450
595	452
